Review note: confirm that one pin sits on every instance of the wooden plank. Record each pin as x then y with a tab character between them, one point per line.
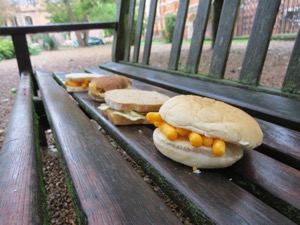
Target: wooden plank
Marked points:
138	31
130	25
223	38
259	40
57	28
263	172
198	36
106	187
292	78
149	32
118	48
258	104
281	143
20	195
22	53
214	199
178	34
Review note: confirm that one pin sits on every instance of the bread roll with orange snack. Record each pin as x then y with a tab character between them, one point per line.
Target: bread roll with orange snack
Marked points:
202	132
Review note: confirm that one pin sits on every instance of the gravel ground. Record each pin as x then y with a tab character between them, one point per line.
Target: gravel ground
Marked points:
60	207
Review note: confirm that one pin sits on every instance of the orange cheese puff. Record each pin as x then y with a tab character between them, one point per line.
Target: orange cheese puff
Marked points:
207	141
85	84
182	132
157	124
219	147
72	83
169	131
153	117
195	139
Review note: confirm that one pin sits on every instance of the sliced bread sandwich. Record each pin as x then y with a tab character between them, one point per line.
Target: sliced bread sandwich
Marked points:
129	106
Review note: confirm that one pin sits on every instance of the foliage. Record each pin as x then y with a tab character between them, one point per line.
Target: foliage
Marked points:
34	50
6	49
83	10
49	43
169	28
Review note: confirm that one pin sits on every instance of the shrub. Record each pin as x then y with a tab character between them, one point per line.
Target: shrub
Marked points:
49	42
6	49
34	50
169	28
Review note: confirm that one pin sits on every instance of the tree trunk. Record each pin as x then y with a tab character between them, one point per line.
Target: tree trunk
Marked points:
74	20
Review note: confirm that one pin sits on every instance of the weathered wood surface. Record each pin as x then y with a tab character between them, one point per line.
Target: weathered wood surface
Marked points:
149	32
138	31
107	188
20	199
220	196
259	39
292	78
272	108
223	39
198	36
178	34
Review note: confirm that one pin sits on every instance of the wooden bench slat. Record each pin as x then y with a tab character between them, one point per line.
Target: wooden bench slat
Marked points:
208	192
223	38
138	32
272	108
257	50
274	177
292	78
20	195
130	25
22	53
280	143
178	34
198	36
118	47
109	190
149	32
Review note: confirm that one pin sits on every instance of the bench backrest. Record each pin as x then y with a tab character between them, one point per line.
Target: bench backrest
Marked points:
254	57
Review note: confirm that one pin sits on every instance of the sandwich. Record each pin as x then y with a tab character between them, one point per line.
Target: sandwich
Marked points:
79	82
129	106
203	133
98	86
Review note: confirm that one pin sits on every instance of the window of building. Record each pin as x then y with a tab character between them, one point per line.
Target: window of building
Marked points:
28	21
14	22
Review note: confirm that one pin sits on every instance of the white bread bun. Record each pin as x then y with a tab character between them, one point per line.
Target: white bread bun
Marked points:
135	100
213	119
202	157
81	76
76	89
98	86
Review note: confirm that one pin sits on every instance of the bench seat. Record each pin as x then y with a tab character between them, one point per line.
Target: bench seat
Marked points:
260	188
105	187
21	193
269	107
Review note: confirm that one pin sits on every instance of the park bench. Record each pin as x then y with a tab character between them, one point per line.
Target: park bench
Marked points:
261	188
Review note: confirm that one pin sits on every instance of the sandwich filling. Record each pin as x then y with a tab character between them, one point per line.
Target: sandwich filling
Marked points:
130	115
73	83
217	145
